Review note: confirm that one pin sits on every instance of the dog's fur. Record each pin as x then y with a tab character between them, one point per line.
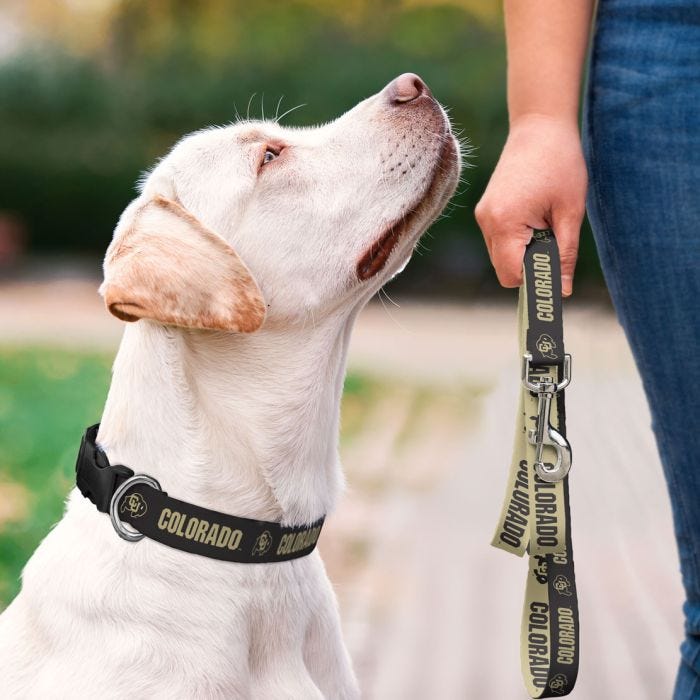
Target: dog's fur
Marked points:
248	279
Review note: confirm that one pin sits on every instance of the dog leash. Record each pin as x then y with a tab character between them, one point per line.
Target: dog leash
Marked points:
138	500
535	517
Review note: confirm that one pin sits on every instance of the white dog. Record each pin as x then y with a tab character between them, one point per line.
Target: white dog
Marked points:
248	255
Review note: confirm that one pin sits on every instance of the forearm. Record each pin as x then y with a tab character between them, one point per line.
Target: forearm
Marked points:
547	42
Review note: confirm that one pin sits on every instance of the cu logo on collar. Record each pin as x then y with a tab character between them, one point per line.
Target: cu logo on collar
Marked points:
547	347
134	504
263	542
544	235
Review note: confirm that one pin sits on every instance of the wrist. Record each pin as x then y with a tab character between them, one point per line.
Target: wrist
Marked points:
543	119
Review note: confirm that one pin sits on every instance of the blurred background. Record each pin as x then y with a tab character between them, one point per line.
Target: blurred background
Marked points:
92	92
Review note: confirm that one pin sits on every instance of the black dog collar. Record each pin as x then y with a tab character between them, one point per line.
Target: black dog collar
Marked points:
138	500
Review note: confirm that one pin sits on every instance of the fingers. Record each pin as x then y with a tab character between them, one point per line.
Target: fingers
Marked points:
539	181
505	241
567	229
507	258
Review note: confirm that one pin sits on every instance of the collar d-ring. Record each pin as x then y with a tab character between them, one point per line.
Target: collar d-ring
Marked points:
128	533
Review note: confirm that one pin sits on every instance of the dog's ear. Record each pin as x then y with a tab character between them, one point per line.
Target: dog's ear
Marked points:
164	264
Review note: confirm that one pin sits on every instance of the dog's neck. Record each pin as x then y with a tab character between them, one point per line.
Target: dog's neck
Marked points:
245	424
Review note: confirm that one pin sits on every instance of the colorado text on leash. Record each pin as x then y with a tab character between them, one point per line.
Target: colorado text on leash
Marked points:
245	259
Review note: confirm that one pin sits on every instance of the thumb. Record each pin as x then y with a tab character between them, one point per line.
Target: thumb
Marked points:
567	230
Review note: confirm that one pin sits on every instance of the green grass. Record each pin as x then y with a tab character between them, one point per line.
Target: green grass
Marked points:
47	399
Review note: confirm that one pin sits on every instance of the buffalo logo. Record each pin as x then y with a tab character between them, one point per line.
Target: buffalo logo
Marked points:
562	585
546	345
539	571
263	542
544	235
558	684
134	504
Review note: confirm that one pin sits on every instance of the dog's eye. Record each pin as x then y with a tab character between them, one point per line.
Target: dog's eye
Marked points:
269	156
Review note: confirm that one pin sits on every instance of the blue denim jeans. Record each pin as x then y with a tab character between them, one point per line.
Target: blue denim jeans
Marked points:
642	143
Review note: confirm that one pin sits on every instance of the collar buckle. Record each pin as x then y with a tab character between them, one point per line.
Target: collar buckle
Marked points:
94	475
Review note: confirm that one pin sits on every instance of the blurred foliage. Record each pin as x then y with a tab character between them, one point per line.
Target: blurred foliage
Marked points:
97	96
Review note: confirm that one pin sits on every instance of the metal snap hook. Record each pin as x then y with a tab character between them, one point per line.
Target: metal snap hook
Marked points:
554	439
545	435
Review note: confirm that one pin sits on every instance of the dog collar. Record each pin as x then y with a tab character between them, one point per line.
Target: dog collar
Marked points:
137	500
536	514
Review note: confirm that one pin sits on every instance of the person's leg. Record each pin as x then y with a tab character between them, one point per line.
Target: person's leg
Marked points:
642	143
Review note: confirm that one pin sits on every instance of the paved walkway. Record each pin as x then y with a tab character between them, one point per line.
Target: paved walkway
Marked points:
430	611
449	627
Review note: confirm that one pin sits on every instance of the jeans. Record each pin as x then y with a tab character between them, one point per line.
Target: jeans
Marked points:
641	137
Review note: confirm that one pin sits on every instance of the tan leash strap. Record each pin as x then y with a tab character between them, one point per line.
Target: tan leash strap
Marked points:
535	517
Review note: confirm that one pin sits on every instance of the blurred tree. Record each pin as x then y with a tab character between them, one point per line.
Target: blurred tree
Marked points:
106	87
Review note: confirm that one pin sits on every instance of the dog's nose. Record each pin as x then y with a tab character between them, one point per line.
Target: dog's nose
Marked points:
406	88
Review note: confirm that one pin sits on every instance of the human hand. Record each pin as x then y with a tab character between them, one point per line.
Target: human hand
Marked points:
539	182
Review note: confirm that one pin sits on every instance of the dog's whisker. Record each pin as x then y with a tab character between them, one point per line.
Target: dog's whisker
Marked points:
388	298
289	111
388	312
277	109
381	301
247	112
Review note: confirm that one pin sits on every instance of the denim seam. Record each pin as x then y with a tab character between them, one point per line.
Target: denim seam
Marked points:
615	264
610	249
696	681
694	657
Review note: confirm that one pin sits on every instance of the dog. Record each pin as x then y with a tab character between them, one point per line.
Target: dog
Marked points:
240	269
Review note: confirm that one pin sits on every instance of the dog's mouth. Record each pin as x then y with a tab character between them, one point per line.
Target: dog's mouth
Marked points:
376	256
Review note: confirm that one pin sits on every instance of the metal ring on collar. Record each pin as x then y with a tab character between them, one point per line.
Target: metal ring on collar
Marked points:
127	533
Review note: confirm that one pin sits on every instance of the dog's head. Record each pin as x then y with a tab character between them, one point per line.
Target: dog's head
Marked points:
256	222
